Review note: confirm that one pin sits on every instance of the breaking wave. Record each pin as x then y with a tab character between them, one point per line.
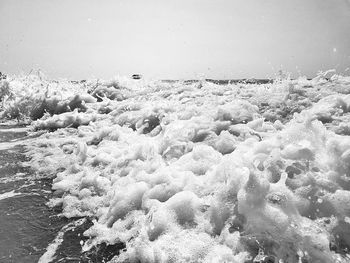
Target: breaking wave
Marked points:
196	172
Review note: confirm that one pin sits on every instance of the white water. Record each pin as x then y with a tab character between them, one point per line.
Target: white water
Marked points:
8	195
49	255
199	172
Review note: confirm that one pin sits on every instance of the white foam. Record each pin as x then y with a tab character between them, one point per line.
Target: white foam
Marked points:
9	145
51	250
8	195
202	172
15	130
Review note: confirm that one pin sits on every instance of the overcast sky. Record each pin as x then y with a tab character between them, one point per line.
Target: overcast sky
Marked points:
174	39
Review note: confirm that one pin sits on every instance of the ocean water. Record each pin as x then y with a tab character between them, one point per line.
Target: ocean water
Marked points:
28	226
22	204
175	171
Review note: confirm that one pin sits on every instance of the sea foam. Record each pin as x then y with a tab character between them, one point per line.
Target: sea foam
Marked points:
197	172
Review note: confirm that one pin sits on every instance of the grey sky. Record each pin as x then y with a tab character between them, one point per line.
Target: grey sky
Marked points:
174	39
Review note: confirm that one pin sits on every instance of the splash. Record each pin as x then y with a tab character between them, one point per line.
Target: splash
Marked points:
199	172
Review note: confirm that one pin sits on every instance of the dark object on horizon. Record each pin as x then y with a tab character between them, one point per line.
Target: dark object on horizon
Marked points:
136	76
78	81
2	76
